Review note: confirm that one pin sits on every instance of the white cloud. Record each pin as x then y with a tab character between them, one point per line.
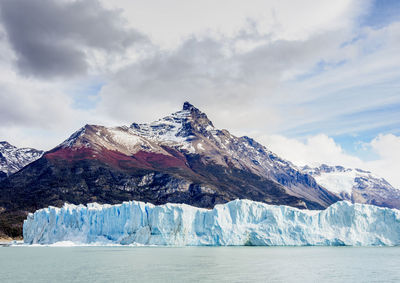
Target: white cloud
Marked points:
314	150
239	89
388	148
366	79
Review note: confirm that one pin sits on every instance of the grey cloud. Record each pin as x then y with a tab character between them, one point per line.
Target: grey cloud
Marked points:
234	87
51	38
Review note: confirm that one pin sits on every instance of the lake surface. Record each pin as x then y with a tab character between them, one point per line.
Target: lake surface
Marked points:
199	264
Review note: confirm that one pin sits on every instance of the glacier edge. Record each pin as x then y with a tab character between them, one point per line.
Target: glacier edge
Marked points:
239	222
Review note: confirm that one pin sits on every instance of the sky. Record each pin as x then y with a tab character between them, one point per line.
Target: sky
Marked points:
314	81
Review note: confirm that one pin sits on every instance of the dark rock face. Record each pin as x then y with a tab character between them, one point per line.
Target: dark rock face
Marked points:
89	181
181	158
197	124
3	175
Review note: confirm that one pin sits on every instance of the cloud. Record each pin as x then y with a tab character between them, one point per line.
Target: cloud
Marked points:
251	73
34	113
171	22
215	76
236	73
321	149
34	109
388	148
313	151
60	38
352	96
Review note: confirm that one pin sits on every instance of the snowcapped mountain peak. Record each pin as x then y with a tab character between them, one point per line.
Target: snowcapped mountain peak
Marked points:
197	116
4	144
13	159
188	106
7	147
181	128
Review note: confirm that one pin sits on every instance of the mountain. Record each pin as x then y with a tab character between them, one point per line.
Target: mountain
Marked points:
191	132
356	185
13	159
181	158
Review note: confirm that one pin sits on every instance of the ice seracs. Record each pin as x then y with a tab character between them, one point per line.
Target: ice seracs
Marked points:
239	222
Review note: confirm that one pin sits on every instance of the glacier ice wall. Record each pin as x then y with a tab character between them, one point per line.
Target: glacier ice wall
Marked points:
239	222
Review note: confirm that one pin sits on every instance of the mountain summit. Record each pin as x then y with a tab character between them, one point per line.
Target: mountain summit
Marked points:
182	124
181	158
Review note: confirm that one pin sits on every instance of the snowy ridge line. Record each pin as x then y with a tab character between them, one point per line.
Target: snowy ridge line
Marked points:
12	159
239	222
355	185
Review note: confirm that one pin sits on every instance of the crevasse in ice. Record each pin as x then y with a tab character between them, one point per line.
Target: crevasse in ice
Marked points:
239	222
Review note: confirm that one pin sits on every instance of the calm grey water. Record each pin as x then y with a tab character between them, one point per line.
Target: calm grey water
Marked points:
199	264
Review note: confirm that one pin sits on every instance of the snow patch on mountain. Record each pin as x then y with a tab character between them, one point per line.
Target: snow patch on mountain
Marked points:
168	130
122	139
239	222
338	182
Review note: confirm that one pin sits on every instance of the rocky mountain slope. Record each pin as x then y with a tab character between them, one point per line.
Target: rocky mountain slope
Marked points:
181	158
356	185
13	159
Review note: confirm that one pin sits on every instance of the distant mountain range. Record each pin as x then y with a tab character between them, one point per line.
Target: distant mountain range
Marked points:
181	158
356	185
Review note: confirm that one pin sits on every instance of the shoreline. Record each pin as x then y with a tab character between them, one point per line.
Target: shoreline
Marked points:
6	241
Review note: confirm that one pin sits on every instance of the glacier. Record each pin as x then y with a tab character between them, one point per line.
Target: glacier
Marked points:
239	222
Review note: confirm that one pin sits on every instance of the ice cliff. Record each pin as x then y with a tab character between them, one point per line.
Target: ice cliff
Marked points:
239	222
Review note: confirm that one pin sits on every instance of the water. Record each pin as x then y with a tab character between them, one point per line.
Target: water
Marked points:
199	264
